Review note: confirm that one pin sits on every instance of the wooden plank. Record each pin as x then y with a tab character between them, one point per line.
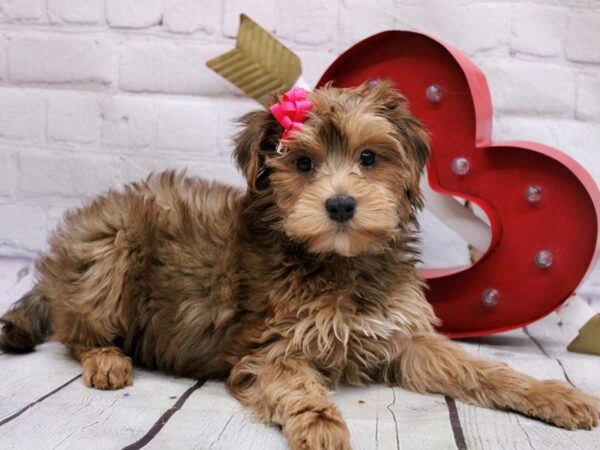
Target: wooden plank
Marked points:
212	418
552	336
485	429
26	378
371	415
79	417
164	418
380	417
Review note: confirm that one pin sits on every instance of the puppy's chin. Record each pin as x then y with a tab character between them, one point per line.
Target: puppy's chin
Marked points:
344	244
336	242
345	240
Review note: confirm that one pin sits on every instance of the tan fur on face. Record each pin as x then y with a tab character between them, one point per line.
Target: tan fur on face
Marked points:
205	281
375	221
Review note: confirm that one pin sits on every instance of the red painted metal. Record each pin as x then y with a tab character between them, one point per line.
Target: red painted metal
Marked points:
566	221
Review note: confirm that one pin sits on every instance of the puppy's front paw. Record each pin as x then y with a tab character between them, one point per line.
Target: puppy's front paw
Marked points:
107	368
318	429
560	404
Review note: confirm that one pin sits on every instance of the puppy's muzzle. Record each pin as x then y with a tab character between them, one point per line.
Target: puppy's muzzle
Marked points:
340	208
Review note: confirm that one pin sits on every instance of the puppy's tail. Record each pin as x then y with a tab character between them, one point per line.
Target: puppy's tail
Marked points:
26	323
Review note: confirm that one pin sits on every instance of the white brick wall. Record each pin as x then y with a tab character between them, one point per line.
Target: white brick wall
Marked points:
189	16
73	117
129	123
94	93
22	115
170	67
134	13
60	58
22	10
76	11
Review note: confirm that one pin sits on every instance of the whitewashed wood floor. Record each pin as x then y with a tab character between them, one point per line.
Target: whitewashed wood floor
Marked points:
44	404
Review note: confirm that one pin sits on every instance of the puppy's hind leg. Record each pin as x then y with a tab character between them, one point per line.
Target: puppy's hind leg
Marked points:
89	321
105	367
433	363
26	323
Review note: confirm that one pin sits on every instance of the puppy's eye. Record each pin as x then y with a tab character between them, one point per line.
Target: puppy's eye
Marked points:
367	158
304	164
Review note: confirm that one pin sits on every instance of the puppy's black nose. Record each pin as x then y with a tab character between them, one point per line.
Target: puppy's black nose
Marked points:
341	208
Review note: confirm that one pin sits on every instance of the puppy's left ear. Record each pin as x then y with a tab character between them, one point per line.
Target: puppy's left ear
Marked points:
412	134
259	136
416	136
394	106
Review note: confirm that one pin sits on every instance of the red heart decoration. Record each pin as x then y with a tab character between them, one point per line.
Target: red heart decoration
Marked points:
564	222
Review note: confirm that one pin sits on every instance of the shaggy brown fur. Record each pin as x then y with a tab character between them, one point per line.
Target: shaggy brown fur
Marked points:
262	287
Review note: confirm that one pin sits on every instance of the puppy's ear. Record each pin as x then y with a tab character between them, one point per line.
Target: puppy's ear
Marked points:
416	136
412	134
259	136
395	107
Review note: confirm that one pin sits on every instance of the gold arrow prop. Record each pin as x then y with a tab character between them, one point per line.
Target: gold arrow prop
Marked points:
259	64
588	339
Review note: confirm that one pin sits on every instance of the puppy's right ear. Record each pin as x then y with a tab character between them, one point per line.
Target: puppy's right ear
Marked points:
258	138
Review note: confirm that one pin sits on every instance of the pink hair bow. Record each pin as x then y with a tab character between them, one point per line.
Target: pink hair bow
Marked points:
291	112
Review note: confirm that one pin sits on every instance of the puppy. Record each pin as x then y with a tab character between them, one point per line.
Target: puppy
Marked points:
304	281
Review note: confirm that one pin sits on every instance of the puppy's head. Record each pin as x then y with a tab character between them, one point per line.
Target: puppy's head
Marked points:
347	180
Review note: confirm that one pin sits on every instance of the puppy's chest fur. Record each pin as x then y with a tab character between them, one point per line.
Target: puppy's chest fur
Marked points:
343	340
347	325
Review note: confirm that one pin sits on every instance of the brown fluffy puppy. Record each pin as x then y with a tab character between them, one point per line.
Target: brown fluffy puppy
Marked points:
304	281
